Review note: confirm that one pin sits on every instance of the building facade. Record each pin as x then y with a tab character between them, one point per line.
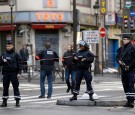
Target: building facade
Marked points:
38	21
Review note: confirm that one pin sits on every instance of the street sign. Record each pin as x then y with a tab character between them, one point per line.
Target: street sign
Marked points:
102	32
91	36
132	13
128	4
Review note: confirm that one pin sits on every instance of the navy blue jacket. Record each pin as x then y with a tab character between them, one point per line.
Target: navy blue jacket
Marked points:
13	64
47	58
84	54
126	54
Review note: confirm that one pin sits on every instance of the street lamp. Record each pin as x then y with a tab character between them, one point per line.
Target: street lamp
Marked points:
11	3
74	24
96	9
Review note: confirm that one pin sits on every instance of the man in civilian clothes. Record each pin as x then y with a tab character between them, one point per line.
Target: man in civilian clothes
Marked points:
70	68
47	58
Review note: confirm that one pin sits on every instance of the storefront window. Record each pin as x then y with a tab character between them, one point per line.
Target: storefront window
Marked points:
3	2
83	2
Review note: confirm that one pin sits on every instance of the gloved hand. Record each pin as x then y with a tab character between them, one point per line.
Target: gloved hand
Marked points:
83	59
75	58
4	60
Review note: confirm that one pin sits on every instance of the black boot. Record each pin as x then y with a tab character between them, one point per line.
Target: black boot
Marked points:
17	103
127	104
4	103
73	98
131	104
91	97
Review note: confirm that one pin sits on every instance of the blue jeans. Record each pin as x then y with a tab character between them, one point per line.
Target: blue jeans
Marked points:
43	74
69	72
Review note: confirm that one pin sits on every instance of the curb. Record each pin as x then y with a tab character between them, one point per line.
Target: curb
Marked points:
103	103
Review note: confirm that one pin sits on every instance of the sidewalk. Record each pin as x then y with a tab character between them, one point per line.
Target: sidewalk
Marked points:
103	103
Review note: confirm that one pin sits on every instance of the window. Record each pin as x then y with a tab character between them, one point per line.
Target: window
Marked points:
3	2
83	2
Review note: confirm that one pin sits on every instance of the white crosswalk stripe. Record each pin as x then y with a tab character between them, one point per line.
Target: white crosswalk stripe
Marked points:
104	86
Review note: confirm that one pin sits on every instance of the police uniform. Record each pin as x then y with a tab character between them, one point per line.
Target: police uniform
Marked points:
47	58
83	63
126	54
10	70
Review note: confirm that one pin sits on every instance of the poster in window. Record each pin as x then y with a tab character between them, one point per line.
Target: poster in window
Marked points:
50	3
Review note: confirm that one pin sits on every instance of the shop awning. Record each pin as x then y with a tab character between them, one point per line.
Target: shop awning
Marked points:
47	26
7	27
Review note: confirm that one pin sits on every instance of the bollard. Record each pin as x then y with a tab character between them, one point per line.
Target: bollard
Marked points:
62	74
29	79
53	72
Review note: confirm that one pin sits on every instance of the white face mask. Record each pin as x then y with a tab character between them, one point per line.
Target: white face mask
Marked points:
126	41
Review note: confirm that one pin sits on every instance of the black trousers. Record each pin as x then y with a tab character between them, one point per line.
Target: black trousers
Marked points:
25	67
88	78
128	80
7	78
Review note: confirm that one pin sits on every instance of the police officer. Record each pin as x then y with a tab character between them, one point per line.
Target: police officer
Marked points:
47	58
11	63
83	59
70	67
126	59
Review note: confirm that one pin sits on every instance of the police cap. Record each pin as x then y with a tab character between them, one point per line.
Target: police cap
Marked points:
9	42
126	36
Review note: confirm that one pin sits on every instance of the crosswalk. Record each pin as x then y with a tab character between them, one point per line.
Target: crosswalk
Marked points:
59	94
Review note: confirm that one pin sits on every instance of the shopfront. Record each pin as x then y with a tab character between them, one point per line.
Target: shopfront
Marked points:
43	36
36	28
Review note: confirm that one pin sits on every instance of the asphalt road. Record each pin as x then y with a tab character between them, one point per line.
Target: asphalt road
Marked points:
32	105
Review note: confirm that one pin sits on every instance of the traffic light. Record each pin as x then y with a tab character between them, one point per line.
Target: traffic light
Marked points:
125	22
131	23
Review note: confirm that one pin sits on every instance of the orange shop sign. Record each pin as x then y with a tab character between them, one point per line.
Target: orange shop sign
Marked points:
49	16
47	26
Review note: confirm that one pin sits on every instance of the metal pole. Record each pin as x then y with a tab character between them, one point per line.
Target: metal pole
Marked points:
11	22
74	25
97	49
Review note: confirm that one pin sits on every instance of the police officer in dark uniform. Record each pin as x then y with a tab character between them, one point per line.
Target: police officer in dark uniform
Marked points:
126	59
11	63
83	59
47	58
70	68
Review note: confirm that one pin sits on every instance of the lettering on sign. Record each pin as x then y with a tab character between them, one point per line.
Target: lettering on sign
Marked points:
103	7
5	18
49	26
91	36
50	16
